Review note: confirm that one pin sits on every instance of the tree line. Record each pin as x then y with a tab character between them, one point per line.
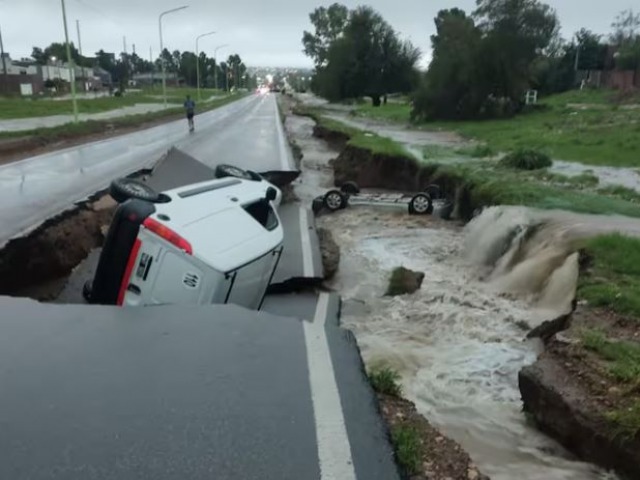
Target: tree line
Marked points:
229	73
482	62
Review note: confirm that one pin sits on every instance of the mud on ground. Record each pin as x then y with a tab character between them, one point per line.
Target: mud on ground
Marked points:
440	457
570	392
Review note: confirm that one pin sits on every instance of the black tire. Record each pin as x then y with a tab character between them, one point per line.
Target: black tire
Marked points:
334	200
86	291
123	189
433	191
351	188
224	170
420	204
317	205
446	210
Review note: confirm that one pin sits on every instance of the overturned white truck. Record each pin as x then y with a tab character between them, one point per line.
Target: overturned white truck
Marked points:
217	241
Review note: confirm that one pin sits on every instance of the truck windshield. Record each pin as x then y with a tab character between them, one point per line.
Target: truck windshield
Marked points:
263	213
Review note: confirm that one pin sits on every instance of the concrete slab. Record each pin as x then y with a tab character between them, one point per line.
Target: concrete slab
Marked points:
176	169
301	257
170	392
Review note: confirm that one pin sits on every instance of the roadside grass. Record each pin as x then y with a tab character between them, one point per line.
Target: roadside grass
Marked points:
613	278
14	108
623	359
385	380
621	192
394	112
584	126
627	420
406	443
479	151
526	159
358	138
72	130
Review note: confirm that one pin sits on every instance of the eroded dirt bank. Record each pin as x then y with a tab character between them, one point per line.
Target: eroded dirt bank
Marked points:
38	264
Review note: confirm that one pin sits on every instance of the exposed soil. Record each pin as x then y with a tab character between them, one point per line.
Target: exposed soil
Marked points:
569	392
330	252
441	457
37	265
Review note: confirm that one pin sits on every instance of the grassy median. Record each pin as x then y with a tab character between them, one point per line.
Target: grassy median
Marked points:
74	130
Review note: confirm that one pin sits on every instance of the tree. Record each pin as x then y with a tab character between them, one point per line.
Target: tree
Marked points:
515	32
625	28
448	89
38	55
362	57
482	68
329	24
626	37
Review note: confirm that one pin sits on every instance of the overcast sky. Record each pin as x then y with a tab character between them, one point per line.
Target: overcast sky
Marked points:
263	32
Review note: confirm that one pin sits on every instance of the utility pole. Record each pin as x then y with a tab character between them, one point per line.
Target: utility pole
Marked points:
124	44
4	62
153	67
72	68
215	61
164	75
198	62
84	75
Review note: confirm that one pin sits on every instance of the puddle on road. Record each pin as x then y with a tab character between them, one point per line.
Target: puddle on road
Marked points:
456	342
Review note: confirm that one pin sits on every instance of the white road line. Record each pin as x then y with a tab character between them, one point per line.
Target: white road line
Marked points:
305	240
284	158
334	449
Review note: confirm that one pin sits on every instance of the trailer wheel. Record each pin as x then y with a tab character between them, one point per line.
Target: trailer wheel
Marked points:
420	204
224	170
433	191
123	189
334	200
351	188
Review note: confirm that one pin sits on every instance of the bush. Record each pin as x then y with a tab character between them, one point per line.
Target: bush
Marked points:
406	443
526	159
385	380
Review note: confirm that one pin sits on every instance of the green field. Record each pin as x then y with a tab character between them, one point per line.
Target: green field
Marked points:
590	127
11	108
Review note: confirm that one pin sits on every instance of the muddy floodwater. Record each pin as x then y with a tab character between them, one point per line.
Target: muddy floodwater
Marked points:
458	342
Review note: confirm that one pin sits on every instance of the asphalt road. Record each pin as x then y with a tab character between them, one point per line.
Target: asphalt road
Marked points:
246	133
186	392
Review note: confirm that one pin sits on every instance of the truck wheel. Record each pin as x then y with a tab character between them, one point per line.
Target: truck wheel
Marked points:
433	191
420	204
351	188
317	205
224	170
123	189
334	200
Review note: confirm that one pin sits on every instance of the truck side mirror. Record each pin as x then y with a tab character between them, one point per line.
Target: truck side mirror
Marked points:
272	194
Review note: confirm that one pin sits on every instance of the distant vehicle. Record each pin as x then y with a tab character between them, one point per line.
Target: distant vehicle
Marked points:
218	241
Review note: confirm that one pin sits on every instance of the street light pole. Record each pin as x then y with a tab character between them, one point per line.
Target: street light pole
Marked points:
164	74
215	60
72	71
198	61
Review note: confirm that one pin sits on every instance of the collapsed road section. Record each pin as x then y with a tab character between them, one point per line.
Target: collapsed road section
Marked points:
184	391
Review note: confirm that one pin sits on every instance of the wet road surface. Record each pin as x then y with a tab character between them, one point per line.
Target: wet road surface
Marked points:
246	133
186	392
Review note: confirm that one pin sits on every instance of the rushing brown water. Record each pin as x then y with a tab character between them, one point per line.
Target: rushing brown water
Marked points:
459	341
